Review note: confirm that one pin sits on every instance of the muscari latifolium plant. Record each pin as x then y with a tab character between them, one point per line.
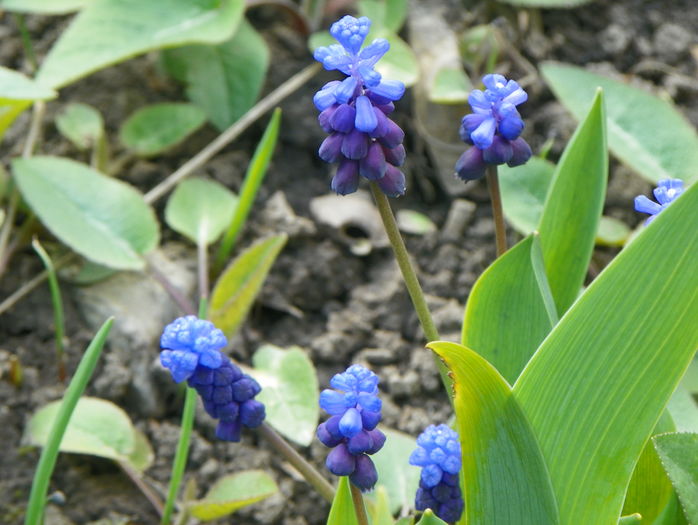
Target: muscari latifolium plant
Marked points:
559	394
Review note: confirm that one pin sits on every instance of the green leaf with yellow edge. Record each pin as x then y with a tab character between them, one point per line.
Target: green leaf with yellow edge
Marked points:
231	493
342	510
601	379
506	316
650	489
644	131
101	218
503	470
573	207
679	455
238	286
429	518
120	29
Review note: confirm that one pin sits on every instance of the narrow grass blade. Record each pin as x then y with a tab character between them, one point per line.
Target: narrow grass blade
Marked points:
47	461
601	379
504	475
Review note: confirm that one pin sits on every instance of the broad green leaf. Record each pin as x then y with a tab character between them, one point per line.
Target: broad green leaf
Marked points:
386	14
142	455
157	128
238	286
450	86
505	316
546	3
289	391
200	209
573	207
503	469
81	124
524	189
44	7
650	489
645	132
414	222
374	10
99	217
600	380
226	79
429	518
679	455
612	232
97	427
342	510
398	477
233	492
380	511
110	31
16	94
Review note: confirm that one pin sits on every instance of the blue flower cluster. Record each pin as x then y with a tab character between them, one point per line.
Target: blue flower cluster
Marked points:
191	351
666	192
493	128
438	453
351	431
354	111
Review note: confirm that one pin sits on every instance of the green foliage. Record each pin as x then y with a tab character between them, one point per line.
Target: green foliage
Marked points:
600	380
450	86
16	94
645	132
238	286
506	316
81	124
679	455
612	232
225	79
289	391
342	510
389	14
379	511
573	207
429	518
44	7
524	189
231	493
97	427
399	478
200	209
101	218
503	470
632	519
154	129
110	31
414	222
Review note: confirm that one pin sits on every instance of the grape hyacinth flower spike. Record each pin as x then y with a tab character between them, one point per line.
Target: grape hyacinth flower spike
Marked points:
363	140
438	453
493	129
351	431
192	351
666	192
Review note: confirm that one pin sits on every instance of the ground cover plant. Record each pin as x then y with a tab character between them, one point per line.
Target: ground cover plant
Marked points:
516	345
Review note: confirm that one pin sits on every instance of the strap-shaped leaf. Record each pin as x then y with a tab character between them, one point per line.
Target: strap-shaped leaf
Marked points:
573	207
506	317
342	510
596	387
503	469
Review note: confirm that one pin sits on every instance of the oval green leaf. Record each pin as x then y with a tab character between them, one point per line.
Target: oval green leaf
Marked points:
524	189
645	132
101	218
503	469
342	510
450	86
120	29
679	455
238	286
15	86
398	477
81	124
226	79
573	207
233	492
200	209
157	128
97	427
616	357
289	391
612	232
44	7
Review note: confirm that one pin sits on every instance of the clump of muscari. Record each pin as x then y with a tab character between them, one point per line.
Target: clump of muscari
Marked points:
438	453
363	140
493	129
351	431
666	192
191	351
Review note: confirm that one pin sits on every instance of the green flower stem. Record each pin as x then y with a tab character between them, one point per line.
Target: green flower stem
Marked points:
311	475
500	228
47	461
403	261
359	506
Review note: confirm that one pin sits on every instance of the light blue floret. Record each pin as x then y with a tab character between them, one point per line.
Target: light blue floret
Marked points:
438	452
666	192
188	342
